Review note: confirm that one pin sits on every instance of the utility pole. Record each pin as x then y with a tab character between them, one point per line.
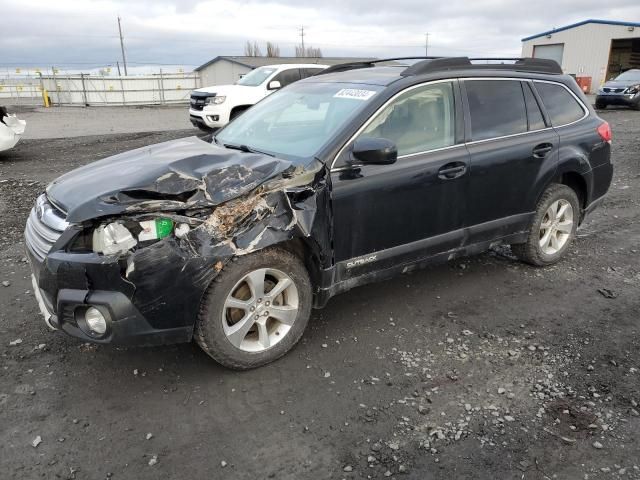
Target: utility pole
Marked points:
304	52
426	44
124	58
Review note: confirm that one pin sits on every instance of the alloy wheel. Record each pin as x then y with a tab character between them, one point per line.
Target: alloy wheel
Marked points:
260	310
556	227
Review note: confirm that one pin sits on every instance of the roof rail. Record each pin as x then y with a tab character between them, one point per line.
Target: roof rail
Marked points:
537	65
436	64
341	67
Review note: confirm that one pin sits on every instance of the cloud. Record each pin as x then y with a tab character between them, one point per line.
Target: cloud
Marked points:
84	33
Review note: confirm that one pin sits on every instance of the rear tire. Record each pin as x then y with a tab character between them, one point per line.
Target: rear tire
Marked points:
255	310
553	227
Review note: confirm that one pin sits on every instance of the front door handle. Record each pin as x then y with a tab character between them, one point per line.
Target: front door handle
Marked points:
540	151
452	170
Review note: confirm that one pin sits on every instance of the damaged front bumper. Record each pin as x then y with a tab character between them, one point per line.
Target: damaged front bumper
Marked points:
67	284
151	294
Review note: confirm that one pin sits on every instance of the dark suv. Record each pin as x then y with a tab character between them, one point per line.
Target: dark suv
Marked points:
354	175
622	90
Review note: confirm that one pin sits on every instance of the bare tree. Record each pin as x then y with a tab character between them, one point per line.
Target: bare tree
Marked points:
252	49
314	52
308	52
273	50
248	49
256	50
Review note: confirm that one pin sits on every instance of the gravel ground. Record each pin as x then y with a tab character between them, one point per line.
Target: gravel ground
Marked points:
483	368
67	122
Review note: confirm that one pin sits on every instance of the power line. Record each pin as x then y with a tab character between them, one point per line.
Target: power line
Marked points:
302	38
124	58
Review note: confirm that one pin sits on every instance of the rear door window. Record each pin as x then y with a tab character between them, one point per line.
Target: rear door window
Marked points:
497	108
561	106
287	76
536	121
308	72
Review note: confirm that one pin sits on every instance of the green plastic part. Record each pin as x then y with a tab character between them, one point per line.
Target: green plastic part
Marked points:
164	227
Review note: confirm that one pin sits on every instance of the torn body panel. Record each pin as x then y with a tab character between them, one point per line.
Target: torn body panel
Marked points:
11	130
224	204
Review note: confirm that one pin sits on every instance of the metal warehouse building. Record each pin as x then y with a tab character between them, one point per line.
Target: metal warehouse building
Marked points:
224	69
594	51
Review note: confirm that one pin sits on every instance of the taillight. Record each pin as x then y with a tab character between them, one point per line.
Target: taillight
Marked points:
604	130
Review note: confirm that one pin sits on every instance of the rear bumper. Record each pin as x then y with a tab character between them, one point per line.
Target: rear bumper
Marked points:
619	99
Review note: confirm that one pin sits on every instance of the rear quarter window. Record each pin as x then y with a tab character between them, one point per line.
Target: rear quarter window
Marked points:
561	106
497	108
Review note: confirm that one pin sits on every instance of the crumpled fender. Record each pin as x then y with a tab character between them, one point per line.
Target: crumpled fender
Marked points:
291	206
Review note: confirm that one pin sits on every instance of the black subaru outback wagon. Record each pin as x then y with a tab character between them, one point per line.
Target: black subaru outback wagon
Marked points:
351	176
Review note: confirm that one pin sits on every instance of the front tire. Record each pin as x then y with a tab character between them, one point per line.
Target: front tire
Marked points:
553	227
256	310
600	105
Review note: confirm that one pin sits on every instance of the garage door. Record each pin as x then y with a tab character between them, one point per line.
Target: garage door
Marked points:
551	52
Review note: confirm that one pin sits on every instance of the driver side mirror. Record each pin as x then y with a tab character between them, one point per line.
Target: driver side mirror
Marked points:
374	151
274	85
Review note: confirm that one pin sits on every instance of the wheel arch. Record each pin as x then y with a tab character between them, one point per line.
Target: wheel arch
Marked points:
309	253
577	183
238	109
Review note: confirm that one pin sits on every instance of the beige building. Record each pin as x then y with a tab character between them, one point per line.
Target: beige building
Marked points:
593	50
224	70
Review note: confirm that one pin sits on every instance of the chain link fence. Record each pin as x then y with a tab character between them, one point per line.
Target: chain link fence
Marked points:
92	90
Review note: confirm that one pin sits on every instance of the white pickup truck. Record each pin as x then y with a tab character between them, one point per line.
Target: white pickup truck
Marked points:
213	107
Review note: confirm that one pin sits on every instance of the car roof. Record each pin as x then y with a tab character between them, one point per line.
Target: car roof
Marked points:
433	68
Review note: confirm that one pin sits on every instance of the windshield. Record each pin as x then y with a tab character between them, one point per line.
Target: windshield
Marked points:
297	121
256	77
630	75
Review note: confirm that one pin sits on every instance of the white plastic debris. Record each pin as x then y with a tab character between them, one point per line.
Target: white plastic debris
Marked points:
11	130
36	441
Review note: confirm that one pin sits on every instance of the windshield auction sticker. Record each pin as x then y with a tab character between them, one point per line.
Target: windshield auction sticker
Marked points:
355	93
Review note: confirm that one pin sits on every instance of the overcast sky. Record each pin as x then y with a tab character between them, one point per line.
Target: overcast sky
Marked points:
83	33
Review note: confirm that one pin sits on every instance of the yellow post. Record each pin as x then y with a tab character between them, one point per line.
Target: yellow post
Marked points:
45	98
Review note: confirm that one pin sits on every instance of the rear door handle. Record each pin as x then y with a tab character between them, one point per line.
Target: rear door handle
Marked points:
540	151
452	170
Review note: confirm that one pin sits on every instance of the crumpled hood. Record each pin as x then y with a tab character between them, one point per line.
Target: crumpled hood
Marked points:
620	84
184	173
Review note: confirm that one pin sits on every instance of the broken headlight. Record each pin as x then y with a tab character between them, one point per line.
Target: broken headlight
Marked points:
155	229
113	238
217	100
120	237
633	90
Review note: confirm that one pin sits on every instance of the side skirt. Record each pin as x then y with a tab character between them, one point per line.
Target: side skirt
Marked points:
391	262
